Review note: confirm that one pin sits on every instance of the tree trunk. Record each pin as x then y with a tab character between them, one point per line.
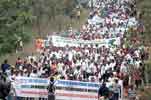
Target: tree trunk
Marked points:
39	26
146	75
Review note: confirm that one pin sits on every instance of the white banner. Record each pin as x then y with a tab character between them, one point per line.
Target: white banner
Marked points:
66	90
62	42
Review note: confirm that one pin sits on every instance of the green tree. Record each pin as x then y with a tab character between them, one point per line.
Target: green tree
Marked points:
46	10
69	6
15	20
144	6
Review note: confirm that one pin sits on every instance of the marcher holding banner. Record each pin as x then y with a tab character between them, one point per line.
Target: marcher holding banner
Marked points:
51	89
103	93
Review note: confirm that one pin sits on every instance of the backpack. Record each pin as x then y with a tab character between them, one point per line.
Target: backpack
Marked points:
51	87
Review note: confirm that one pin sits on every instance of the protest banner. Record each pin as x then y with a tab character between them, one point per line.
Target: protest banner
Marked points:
62	42
65	89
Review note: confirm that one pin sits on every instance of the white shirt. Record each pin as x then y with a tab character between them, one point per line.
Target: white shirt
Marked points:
33	75
70	56
84	66
123	69
102	70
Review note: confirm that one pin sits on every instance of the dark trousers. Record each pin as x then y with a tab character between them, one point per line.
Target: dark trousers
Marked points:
116	96
138	83
51	96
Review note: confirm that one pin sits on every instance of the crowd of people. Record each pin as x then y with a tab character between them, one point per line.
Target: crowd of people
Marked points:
123	61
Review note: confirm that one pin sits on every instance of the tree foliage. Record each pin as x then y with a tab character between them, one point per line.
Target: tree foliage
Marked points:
18	16
50	9
15	16
144	6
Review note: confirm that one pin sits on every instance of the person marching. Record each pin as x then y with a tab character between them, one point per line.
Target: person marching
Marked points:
51	89
103	92
116	90
132	93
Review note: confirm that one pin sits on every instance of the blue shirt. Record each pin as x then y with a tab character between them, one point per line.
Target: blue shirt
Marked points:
4	67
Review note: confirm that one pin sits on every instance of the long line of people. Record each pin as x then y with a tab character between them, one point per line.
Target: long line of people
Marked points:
110	64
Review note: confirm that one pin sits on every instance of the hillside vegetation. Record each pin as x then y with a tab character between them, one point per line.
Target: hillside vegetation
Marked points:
20	19
144	7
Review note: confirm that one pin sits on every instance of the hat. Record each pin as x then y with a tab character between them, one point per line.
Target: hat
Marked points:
25	70
12	66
